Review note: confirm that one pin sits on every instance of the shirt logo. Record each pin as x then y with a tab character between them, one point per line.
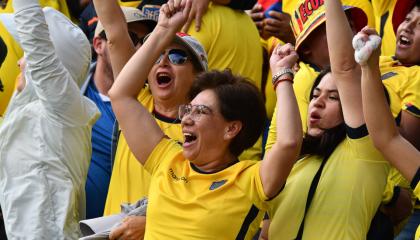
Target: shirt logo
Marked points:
217	184
176	178
388	75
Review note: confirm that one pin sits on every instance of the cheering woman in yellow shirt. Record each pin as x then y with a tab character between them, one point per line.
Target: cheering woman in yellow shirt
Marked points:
380	122
200	190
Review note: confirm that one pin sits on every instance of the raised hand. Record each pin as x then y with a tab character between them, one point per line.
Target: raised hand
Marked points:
283	56
174	14
367	45
198	9
257	15
278	26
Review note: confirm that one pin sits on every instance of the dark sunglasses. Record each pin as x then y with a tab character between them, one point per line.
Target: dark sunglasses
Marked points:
175	56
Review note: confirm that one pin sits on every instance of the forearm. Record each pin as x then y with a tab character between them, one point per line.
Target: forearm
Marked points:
381	125
378	117
277	165
339	37
52	83
119	44
134	74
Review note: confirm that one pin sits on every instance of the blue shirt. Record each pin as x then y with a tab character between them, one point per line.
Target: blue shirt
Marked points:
100	168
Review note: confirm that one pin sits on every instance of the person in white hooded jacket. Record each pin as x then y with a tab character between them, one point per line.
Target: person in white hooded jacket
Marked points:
45	137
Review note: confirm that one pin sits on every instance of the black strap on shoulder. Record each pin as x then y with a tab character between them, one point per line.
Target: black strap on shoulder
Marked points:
311	194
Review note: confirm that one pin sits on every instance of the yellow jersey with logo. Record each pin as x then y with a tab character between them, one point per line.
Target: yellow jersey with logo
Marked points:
129	181
402	84
185	203
346	199
10	53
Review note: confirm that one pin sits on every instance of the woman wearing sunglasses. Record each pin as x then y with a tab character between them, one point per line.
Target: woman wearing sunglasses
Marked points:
168	82
199	190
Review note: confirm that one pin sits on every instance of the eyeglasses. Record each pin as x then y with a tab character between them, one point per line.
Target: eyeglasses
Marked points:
194	111
175	56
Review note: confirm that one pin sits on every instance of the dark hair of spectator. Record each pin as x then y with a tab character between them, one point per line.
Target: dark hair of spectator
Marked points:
238	100
325	144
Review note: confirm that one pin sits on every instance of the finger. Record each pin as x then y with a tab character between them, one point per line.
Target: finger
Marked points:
257	8
171	7
369	31
257	16
279	16
187	25
272	29
198	18
273	22
187	9
177	5
116	233
165	10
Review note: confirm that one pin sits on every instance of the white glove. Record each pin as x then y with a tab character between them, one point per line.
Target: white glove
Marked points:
363	49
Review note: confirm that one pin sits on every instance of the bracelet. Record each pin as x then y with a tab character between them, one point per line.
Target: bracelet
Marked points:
281	73
279	80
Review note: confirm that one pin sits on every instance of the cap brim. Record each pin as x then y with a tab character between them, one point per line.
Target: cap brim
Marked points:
360	20
9	23
183	43
398	16
180	41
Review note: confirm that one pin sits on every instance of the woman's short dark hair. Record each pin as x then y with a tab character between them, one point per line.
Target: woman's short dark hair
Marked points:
239	100
325	144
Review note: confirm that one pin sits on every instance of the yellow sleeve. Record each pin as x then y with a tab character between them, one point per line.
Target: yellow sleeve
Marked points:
166	149
411	92
255	190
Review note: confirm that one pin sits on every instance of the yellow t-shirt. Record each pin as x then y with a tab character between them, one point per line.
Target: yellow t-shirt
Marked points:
9	70
129	181
346	199
402	84
185	203
231	40
383	11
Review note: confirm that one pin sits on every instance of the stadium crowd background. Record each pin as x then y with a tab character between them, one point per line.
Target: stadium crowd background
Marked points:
240	36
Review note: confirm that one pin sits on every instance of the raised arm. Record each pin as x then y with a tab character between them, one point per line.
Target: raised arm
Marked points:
278	162
57	55
120	46
381	125
345	70
139	128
